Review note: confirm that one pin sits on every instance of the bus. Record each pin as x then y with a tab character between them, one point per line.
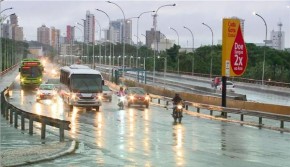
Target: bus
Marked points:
81	86
31	72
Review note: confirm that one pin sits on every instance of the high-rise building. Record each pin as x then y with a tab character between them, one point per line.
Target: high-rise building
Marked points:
14	19
43	34
7	30
128	31
150	38
54	37
278	38
70	34
89	28
117	31
17	33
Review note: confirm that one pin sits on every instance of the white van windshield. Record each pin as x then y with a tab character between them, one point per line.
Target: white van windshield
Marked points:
86	83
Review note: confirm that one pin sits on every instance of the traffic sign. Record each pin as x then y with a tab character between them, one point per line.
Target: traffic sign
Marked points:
234	51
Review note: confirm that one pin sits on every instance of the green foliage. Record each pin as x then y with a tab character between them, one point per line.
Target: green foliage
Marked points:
277	63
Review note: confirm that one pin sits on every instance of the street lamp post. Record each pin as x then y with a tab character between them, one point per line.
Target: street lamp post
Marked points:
192	48
178	51
123	73
210	73
165	67
263	72
83	40
137	52
110	56
154	39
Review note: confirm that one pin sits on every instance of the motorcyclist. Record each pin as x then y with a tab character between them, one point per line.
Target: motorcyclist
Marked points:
121	92
176	100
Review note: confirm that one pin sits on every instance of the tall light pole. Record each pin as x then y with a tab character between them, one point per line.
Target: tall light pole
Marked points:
263	72
137	55
210	73
83	39
192	48
87	44
109	33
154	39
165	67
100	47
1	56
178	45
123	36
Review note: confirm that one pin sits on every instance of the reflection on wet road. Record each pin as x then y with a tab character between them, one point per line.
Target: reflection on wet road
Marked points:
148	137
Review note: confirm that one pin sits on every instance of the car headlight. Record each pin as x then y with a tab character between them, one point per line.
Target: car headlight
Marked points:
179	106
22	80
131	97
40	79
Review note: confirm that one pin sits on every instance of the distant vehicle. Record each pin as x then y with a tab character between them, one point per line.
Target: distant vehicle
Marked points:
215	82
107	93
54	81
46	91
137	95
31	71
81	86
230	86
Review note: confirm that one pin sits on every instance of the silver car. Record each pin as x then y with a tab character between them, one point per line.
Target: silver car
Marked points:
107	93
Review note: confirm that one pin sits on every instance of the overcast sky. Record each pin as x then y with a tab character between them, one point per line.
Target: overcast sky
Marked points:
57	13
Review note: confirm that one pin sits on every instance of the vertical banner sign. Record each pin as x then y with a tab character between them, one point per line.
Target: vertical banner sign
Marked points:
234	51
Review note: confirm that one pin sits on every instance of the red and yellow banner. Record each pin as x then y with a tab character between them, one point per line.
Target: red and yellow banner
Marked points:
234	51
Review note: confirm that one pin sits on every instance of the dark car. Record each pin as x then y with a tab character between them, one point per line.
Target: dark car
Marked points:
137	96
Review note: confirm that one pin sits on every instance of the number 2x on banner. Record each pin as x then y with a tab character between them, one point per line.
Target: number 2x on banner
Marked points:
234	51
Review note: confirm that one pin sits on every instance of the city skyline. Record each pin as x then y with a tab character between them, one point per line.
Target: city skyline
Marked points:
186	13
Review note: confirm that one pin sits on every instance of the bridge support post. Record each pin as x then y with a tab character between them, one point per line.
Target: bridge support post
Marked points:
198	110
22	122
282	124
61	133
42	130
242	117
260	121
30	126
158	101
10	114
15	119
210	112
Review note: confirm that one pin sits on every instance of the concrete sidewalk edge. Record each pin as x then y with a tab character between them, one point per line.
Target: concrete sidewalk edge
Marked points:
70	150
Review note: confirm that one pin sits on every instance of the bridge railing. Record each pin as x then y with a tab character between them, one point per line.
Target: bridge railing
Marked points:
242	112
11	113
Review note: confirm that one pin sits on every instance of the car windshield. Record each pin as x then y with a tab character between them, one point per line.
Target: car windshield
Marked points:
136	91
89	83
106	88
46	87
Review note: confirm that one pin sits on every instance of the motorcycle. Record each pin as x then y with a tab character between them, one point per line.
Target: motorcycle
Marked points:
177	112
121	102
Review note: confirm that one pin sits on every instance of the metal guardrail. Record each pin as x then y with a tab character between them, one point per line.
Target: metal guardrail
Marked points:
9	112
242	112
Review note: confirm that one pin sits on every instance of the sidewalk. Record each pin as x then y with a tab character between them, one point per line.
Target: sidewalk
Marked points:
19	148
